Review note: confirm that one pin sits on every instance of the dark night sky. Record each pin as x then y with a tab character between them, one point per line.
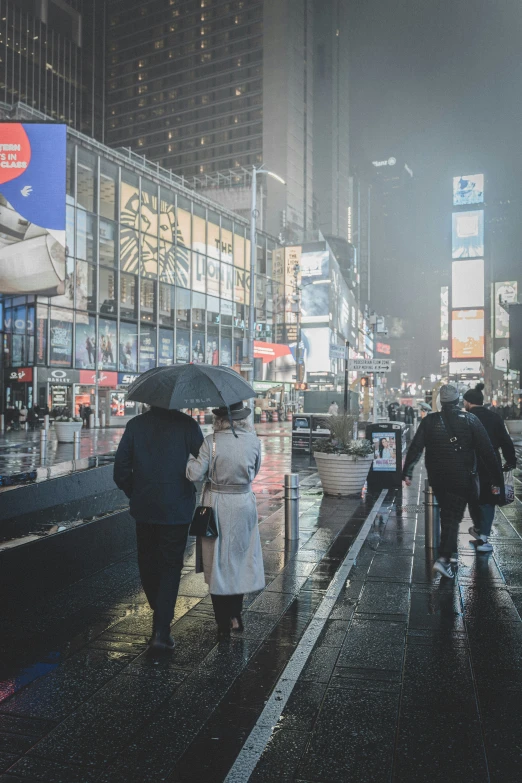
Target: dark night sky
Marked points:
437	83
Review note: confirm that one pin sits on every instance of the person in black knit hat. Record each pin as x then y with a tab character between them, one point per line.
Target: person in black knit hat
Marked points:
482	509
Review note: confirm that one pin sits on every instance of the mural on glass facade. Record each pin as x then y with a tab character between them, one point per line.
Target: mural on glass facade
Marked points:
162	241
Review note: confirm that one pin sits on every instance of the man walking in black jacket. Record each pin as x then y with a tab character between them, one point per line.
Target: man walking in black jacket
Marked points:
482	510
150	468
453	441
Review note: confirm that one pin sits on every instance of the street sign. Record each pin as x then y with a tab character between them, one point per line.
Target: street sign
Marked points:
337	352
370	365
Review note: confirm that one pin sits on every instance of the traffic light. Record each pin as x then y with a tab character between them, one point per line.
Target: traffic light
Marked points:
299	386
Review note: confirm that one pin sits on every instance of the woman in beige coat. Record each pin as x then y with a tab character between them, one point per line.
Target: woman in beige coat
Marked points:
233	562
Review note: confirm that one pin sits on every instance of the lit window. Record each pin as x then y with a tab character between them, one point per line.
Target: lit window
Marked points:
142	88
141	63
239	62
141	141
201	169
159	44
240	90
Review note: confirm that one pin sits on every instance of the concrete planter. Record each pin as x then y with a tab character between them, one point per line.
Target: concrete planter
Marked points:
342	474
514	427
65	430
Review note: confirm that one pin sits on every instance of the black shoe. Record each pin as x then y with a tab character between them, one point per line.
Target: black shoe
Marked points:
223	634
161	641
240	627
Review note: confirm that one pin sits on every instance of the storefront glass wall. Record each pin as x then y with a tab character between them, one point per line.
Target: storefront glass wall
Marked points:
153	277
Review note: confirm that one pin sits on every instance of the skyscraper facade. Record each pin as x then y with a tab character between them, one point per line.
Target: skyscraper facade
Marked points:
52	59
210	87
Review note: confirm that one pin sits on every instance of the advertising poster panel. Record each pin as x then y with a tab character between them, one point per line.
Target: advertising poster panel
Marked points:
32	208
444	312
467	283
128	347
85	348
504	292
107	344
60	344
468	234
384	451
467	334
464	368
468	189
147	348
166	348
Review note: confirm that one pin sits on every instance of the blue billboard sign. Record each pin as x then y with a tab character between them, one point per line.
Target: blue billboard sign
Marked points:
32	208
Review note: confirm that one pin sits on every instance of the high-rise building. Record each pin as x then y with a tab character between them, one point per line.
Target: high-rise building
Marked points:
52	59
209	89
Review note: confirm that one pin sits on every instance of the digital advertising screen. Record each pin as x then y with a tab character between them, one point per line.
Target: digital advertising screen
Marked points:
444	312
385	451
467	283
504	292
467	334
32	208
468	189
468	234
465	368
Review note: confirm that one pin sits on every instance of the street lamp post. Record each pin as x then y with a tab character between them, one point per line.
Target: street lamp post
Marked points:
253	253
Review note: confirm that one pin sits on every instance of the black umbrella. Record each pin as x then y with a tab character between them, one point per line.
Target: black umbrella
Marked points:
190	386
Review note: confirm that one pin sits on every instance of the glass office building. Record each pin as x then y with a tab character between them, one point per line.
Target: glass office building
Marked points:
155	274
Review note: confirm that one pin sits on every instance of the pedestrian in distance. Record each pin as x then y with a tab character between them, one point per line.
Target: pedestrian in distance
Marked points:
232	563
257	413
333	409
23	415
482	509
454	440
150	468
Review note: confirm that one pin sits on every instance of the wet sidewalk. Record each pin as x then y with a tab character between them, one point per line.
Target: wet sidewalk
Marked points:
358	669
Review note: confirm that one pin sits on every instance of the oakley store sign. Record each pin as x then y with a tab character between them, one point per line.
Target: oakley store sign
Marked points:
58	377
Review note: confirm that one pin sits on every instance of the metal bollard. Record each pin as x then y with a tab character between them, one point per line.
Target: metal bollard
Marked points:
291	506
91	421
76	444
43	446
46	421
2	422
102	420
431	518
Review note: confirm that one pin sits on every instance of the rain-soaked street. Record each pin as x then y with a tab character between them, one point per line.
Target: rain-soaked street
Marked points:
355	663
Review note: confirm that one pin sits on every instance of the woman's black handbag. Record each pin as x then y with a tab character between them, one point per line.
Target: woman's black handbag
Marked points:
204	522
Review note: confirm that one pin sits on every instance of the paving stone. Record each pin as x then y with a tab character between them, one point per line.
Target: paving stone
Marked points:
281	757
49	771
374	644
355	731
385	598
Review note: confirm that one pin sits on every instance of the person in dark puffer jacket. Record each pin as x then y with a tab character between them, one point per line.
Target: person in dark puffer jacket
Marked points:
452	467
483	509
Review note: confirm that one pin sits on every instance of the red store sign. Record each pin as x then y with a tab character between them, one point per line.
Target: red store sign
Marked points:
22	375
88	378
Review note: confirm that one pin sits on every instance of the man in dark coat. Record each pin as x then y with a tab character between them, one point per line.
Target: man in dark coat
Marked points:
453	441
150	468
482	509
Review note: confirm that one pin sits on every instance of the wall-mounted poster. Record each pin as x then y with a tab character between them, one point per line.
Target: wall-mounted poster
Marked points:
444	312
60	343
385	451
128	347
85	350
107	344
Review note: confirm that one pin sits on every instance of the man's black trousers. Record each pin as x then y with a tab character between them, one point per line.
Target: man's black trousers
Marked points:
452	508
160	560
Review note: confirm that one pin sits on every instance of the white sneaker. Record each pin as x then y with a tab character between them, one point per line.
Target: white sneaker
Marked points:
444	567
485	546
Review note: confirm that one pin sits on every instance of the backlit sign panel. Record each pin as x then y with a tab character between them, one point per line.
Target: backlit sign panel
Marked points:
504	292
468	189
467	334
468	234
467	283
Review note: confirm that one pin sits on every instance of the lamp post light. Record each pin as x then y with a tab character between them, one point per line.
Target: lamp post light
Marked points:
253	253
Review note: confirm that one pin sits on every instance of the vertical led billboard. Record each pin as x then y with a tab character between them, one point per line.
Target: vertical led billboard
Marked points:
444	312
468	189
467	283
468	234
467	334
504	292
32	208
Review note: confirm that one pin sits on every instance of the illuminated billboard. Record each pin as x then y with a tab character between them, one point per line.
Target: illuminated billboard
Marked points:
465	368
467	283
444	312
467	334
32	208
504	292
468	234
468	189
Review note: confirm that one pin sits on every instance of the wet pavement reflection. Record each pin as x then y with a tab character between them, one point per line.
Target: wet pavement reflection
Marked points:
413	677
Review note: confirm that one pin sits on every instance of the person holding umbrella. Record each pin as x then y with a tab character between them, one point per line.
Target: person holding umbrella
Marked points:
150	468
232	562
